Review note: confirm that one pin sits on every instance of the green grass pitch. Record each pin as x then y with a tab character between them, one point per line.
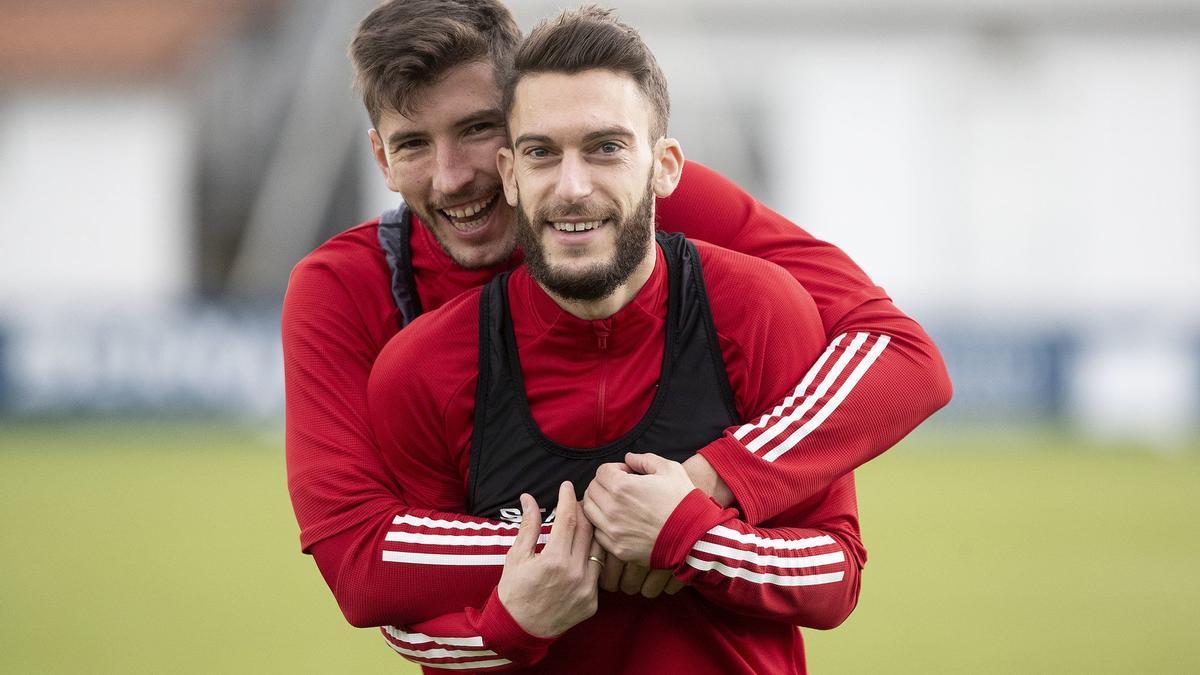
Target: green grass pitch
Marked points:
172	548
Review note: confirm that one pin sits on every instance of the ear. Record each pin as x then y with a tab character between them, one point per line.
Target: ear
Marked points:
505	163
668	166
381	160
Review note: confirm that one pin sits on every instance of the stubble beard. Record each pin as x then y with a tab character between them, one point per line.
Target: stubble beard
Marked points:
598	281
430	217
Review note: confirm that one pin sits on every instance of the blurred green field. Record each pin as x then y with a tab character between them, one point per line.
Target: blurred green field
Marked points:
172	548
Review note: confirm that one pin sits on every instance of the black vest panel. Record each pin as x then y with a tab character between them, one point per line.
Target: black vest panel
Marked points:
692	407
395	230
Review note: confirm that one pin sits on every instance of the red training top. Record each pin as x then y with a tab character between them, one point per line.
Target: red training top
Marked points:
748	585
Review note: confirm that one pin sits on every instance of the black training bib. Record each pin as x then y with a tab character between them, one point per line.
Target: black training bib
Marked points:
692	407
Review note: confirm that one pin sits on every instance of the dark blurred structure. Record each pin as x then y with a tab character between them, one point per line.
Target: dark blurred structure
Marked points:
281	139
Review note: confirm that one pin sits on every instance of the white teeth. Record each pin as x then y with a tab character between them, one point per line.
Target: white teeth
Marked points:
577	227
470	209
467	225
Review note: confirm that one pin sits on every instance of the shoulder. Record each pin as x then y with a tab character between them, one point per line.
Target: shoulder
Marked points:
705	205
752	299
350	254
436	350
343	286
745	278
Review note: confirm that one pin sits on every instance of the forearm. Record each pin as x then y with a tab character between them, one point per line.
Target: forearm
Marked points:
874	383
413	564
835	421
483	638
547	587
804	576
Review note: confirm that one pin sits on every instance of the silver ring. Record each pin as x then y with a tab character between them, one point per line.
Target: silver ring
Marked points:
596	560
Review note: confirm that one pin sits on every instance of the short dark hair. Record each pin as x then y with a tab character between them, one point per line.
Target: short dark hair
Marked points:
591	38
405	45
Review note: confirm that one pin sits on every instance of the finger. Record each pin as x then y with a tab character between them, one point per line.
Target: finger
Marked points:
595	569
610	579
673	586
633	577
646	462
581	543
531	526
656	581
566	518
601	501
606	541
607	472
593	513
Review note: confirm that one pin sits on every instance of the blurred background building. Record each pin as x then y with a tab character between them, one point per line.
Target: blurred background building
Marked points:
1021	176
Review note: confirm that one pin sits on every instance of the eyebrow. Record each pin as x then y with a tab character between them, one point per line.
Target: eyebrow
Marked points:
619	131
607	132
401	137
532	138
485	115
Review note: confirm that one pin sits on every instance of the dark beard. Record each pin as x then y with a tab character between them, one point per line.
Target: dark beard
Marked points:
600	280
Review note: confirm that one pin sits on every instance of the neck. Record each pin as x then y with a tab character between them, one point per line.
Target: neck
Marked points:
591	310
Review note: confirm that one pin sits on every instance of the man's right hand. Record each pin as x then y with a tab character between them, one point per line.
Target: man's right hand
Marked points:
549	592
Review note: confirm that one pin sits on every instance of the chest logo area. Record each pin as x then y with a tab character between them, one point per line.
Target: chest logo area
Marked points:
513	515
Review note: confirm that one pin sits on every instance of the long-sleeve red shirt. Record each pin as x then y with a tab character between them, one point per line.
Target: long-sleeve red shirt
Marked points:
588	383
339	312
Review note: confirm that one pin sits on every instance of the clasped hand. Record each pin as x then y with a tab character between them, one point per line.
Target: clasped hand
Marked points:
624	509
628	504
551	591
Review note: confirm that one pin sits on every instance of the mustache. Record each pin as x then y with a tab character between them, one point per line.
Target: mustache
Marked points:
588	211
441	201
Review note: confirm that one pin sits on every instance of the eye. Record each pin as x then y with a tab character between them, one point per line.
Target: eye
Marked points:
537	153
480	128
609	148
409	145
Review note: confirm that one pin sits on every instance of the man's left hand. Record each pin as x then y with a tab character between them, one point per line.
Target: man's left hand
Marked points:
629	503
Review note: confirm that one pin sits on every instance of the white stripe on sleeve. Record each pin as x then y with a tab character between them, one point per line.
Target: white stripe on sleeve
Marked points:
421	638
764	542
762	560
763	577
764	420
830	378
407	519
442	558
439	653
465	665
457	540
832	404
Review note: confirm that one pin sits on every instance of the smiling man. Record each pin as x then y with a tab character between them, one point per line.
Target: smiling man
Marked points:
426	71
453	193
608	345
583	219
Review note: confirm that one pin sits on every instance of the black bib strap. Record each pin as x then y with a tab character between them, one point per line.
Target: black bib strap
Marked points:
395	233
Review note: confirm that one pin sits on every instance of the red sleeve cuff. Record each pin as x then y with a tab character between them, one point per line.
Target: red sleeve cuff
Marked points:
694	516
503	635
733	463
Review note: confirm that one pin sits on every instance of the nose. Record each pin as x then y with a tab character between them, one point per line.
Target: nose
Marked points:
452	173
574	179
